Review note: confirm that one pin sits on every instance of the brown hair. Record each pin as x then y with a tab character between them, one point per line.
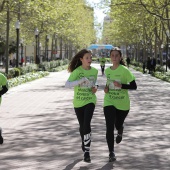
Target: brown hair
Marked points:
120	53
76	62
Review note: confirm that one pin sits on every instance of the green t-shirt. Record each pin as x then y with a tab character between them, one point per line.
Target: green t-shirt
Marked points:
102	61
117	97
83	93
3	82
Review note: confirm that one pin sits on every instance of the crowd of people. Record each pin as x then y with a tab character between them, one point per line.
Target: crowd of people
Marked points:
150	65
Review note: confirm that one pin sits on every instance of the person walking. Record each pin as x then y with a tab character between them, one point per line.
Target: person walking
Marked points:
153	64
144	66
116	99
128	61
149	65
83	78
102	64
3	90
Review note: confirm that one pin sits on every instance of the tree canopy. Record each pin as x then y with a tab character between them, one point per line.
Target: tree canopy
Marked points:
72	20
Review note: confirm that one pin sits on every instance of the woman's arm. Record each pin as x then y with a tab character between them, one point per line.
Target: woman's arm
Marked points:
70	84
131	86
4	90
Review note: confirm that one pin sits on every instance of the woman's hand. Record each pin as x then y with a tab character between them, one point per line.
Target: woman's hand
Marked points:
83	80
94	89
117	84
106	89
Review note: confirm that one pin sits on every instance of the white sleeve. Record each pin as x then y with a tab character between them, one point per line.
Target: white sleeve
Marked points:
70	84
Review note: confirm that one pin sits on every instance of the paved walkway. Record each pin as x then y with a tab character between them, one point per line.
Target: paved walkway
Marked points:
40	128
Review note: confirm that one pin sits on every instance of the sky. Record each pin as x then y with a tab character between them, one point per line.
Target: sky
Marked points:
98	14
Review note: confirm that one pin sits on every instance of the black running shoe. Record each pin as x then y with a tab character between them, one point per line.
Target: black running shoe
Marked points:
118	138
87	157
119	135
112	157
1	138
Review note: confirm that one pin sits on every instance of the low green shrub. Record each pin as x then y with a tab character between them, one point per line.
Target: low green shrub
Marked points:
160	72
59	68
48	66
17	72
17	76
160	68
26	78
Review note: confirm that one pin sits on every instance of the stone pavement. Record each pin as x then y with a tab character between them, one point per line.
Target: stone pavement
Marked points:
40	128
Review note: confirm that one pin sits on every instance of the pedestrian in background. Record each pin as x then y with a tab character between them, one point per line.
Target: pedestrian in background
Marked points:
128	61
102	63
144	67
149	65
116	99
83	78
3	90
153	64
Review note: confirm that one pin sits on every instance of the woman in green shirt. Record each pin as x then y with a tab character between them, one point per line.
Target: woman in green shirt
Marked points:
102	64
3	90
116	99
83	78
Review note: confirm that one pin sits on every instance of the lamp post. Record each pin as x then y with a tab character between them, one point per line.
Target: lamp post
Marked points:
39	54
61	47
17	26
36	32
161	55
56	47
47	40
21	42
56	42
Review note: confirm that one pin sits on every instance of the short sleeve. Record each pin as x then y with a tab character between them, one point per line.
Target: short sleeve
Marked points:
130	77
73	76
3	80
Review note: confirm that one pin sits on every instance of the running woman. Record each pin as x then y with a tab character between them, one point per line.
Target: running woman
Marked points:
116	99
3	90
83	78
102	64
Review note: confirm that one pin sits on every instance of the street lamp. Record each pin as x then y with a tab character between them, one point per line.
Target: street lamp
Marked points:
56	44
36	32
39	54
47	40
21	42
161	55
17	26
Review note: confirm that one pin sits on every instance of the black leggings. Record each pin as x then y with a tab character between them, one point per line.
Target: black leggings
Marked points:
114	118
102	68
84	115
